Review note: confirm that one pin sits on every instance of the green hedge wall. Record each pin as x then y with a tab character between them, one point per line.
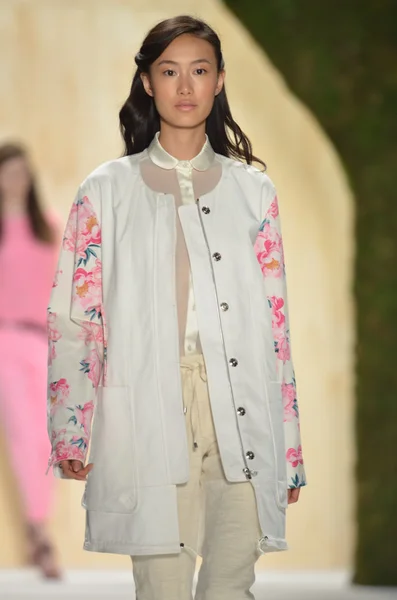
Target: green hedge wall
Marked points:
340	58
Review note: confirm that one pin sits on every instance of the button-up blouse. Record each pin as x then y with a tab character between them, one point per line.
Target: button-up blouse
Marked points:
186	180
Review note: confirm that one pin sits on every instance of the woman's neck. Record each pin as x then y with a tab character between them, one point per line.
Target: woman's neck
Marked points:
183	144
13	206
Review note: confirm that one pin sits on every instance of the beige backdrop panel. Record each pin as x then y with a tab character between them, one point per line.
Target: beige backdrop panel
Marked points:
65	70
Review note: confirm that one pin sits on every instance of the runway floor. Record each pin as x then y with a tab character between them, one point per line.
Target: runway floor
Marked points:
118	585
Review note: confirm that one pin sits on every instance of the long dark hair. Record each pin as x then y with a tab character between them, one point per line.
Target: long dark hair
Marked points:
40	227
139	119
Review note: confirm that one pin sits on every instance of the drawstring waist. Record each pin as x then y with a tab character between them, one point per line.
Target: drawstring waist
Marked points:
193	368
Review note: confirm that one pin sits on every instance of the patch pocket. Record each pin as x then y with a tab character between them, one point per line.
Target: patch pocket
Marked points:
277	419
112	484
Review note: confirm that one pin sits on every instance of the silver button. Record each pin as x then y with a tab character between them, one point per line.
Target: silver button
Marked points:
250	455
233	362
241	411
249	473
216	256
224	306
206	210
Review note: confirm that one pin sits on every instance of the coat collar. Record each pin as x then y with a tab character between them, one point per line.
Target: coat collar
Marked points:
162	159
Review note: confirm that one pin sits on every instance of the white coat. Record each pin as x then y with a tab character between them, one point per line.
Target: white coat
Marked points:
113	336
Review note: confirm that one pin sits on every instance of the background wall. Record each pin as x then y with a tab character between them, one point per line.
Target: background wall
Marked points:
65	70
340	59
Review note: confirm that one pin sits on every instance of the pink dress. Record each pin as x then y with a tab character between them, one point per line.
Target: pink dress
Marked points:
27	268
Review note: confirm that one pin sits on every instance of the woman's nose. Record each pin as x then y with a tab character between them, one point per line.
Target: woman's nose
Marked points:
184	85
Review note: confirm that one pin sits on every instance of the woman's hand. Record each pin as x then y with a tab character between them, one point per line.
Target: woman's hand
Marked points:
293	495
74	469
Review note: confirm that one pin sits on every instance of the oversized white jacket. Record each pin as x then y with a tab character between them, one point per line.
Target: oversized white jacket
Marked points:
114	351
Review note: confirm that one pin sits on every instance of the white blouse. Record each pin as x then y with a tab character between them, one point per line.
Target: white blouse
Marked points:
184	170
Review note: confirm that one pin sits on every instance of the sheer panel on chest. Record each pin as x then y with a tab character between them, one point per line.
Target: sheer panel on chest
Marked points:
165	181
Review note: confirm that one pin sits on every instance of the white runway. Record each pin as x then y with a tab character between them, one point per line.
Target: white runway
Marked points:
118	585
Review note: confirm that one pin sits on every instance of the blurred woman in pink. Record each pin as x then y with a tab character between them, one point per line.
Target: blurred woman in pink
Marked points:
28	254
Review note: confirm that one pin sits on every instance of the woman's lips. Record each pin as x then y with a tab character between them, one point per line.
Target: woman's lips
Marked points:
186	107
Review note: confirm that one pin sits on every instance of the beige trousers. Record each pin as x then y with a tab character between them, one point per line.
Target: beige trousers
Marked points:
216	518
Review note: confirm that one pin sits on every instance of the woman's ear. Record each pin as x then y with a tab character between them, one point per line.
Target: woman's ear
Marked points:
221	81
146	84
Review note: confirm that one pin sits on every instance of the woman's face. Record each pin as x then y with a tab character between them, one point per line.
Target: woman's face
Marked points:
15	179
184	81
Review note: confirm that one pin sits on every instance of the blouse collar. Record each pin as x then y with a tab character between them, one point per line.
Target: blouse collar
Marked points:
163	159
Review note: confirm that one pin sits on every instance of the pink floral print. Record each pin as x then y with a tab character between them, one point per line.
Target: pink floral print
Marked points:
91	332
58	394
75	321
80	442
280	332
81	417
53	336
268	246
92	366
83	238
62	450
270	255
277	305
88	288
84	416
294	456
288	391
59	390
82	233
273	209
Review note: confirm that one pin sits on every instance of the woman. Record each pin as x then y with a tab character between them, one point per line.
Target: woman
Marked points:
169	315
28	253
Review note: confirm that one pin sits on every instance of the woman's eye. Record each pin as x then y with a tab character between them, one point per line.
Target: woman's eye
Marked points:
201	71
169	72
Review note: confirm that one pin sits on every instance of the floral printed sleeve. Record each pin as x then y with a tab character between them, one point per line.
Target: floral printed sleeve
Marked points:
75	336
269	252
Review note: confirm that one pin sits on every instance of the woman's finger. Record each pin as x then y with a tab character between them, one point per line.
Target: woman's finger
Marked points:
77	465
73	469
82	474
293	495
67	469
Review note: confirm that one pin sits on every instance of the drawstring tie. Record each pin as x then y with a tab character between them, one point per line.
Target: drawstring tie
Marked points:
189	550
195	370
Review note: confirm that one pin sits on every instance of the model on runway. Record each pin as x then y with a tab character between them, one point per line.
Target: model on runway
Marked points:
169	319
29	243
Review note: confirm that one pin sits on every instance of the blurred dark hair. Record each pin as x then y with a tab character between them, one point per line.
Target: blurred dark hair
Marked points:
139	119
40	226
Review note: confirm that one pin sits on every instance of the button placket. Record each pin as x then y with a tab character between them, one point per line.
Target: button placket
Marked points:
233	362
249	473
